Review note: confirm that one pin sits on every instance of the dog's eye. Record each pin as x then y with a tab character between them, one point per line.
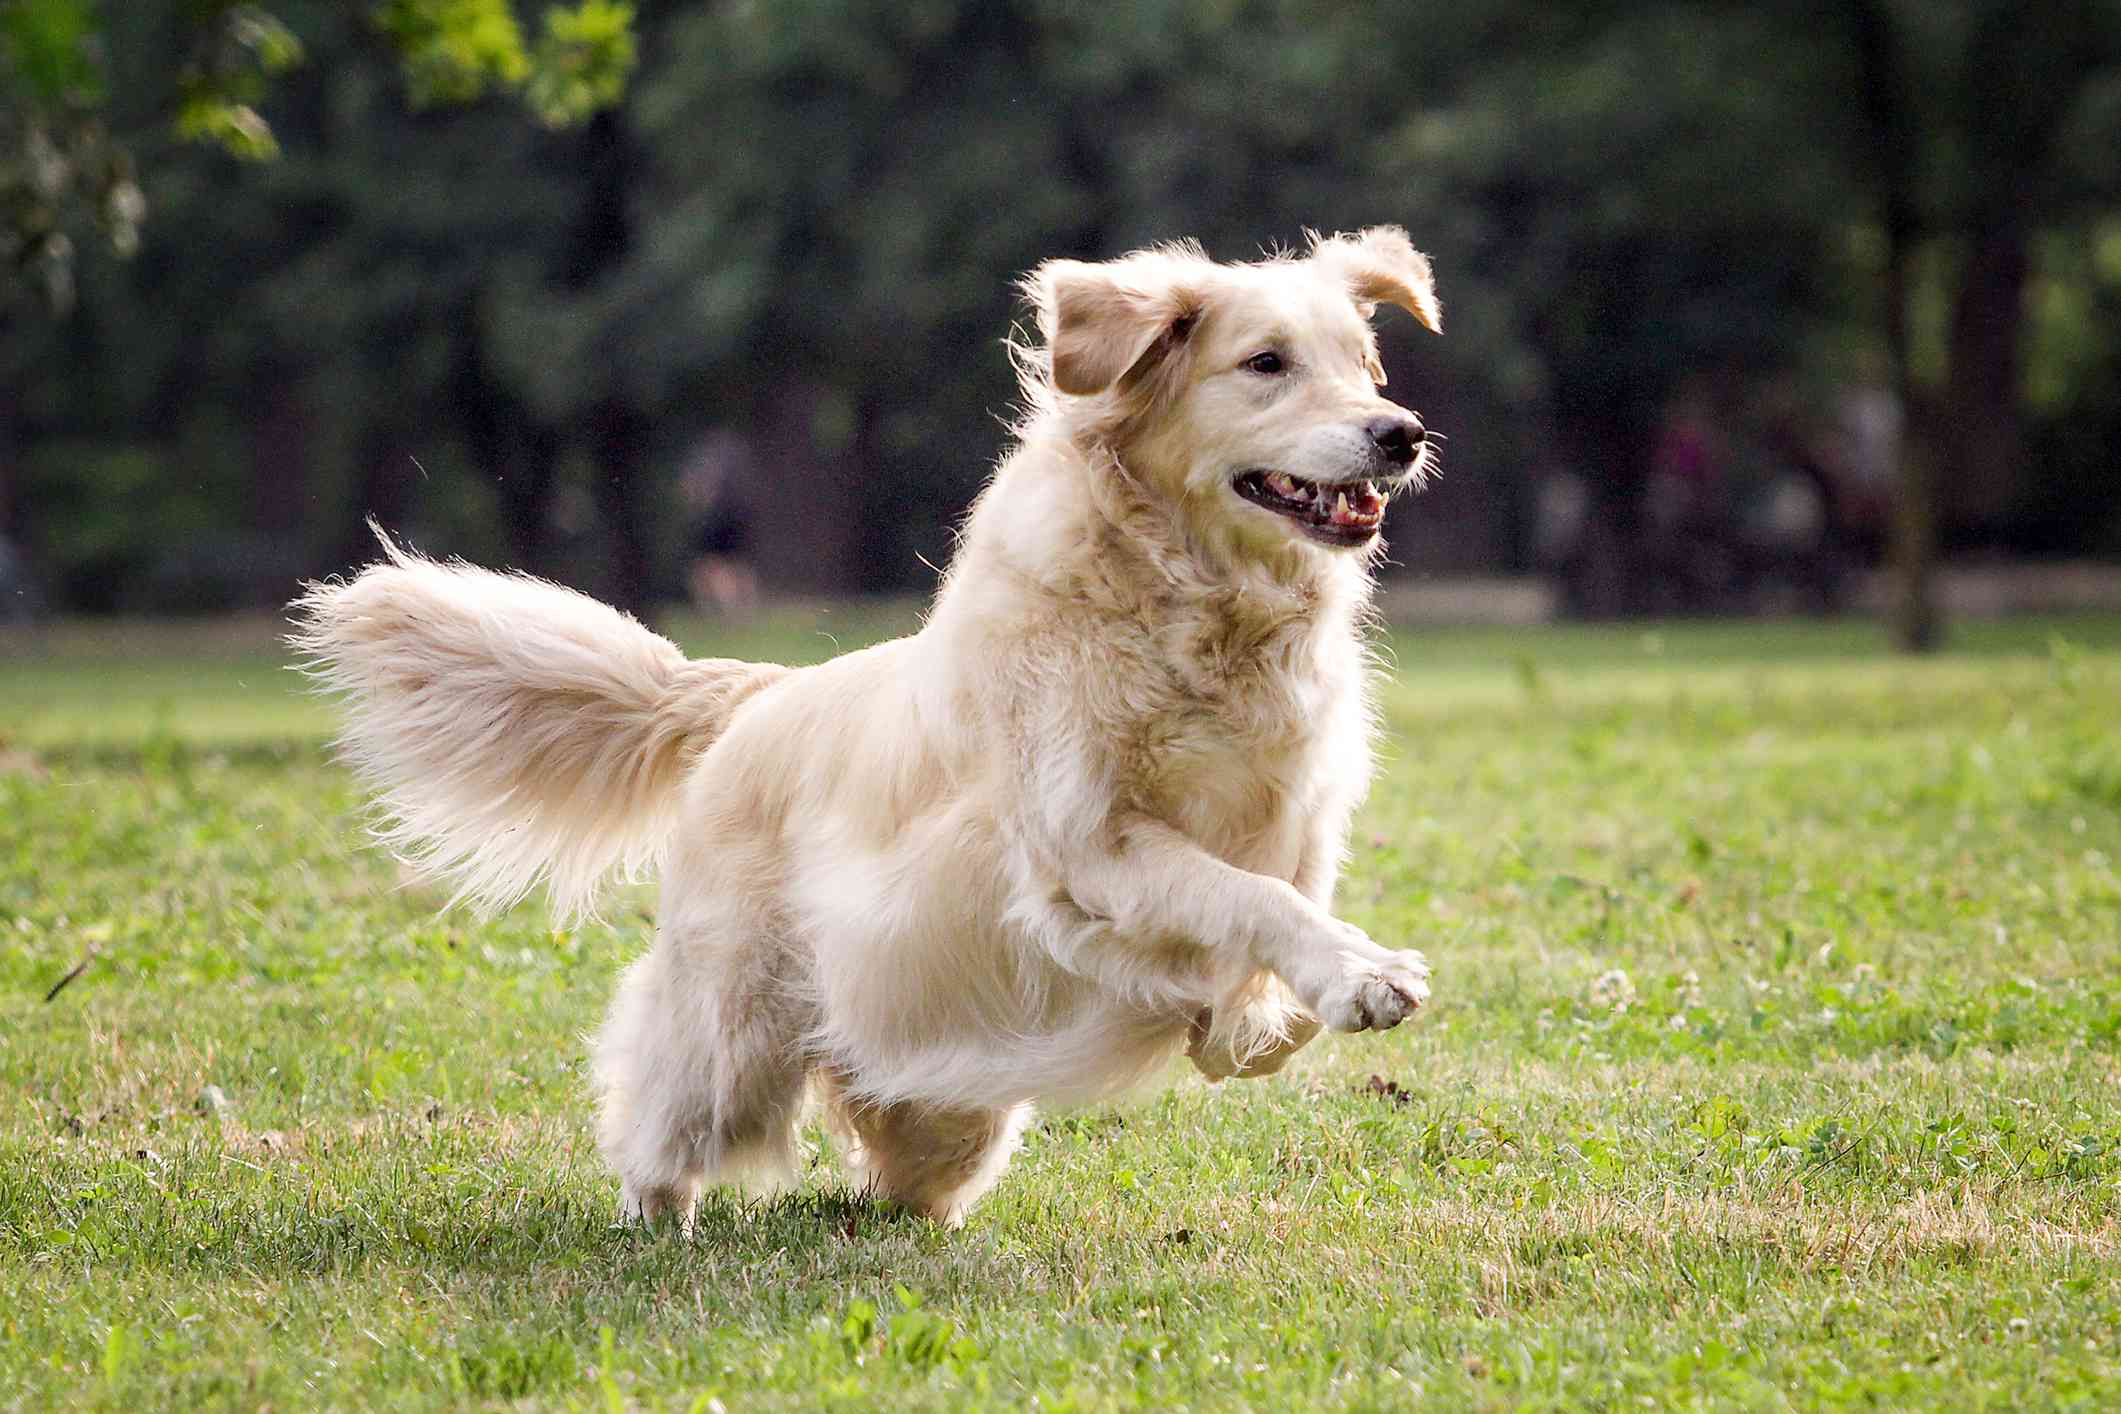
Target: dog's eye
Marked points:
1268	362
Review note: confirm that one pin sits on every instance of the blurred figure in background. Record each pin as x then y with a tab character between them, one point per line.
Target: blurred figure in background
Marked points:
1754	501
1687	528
1867	447
1795	555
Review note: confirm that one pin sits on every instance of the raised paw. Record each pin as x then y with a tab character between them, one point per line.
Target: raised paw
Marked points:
1258	1048
1376	993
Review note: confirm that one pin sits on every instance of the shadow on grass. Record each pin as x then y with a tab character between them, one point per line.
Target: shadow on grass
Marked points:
188	1217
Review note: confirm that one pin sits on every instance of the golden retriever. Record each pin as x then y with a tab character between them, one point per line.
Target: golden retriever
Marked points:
1091	814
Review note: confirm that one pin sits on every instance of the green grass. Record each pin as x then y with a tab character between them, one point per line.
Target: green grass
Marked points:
1775	1061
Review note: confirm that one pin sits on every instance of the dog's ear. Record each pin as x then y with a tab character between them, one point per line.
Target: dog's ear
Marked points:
1105	323
1381	266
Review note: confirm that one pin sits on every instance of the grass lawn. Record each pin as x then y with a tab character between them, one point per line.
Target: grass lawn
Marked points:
1775	1061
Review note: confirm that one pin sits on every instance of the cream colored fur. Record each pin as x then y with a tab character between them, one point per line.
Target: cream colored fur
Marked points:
1091	814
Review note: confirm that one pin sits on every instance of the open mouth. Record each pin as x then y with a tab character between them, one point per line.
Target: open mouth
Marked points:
1347	513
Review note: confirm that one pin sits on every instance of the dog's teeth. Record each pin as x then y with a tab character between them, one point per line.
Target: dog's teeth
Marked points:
1340	506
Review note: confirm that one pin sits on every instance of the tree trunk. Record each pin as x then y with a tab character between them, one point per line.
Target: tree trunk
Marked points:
11	515
527	477
1982	460
1883	97
617	433
1611	450
508	444
279	458
385	494
597	244
1917	623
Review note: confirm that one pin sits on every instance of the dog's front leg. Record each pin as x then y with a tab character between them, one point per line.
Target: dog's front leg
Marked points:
1271	1027
1154	882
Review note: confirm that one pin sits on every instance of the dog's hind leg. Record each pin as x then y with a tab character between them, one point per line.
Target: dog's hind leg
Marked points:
701	1067
936	1161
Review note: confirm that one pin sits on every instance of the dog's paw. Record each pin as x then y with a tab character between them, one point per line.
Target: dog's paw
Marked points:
1251	1052
656	1207
1376	993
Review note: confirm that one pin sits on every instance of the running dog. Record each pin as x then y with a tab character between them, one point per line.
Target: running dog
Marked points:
1089	816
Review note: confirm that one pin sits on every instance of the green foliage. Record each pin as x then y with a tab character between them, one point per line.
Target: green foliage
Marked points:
800	221
60	160
47	47
235	127
458	50
455	50
58	163
240	49
1771	1065
114	513
582	62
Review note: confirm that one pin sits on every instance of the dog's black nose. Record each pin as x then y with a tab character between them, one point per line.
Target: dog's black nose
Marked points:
1398	437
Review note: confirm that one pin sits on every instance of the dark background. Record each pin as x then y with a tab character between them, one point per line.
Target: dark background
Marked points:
1679	246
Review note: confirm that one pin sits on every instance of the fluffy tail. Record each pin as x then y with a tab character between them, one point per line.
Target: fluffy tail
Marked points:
515	732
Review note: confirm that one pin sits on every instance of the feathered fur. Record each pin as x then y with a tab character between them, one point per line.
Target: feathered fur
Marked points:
516	733
1091	814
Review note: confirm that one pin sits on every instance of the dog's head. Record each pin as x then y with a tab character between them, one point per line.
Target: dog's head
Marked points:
1246	395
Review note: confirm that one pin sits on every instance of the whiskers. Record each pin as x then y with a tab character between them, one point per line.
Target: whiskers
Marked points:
1428	463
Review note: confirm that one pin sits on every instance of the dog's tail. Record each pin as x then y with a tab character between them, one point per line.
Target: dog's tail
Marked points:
516	733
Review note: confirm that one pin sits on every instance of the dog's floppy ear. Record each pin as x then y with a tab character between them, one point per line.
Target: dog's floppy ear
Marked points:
1381	266
1102	322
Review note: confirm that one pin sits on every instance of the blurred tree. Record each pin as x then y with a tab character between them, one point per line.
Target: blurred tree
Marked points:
329	267
828	229
1631	210
802	220
77	102
1658	188
1983	124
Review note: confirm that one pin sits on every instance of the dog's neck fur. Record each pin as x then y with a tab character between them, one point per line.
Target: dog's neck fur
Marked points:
1128	551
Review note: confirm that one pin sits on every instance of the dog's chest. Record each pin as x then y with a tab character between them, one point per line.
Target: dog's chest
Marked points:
1252	729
